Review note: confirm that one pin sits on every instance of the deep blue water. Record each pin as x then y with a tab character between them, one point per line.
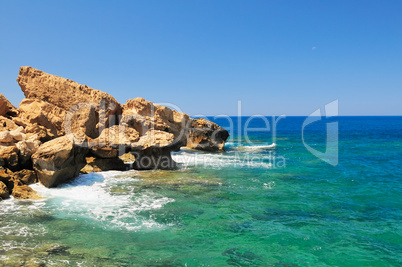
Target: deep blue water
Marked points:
252	205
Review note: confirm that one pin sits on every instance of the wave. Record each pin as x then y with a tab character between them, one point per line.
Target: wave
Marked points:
106	199
255	148
222	160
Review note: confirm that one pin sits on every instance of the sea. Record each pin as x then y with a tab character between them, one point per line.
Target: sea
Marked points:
286	192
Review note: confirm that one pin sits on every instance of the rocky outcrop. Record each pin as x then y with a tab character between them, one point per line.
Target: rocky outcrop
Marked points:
206	135
59	160
63	126
83	104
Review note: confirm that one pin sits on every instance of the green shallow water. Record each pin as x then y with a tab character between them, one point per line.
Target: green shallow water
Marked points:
222	210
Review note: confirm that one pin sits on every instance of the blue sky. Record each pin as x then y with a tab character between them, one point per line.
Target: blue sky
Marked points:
277	57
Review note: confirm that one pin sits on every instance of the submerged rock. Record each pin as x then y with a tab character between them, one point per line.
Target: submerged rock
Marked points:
24	192
59	160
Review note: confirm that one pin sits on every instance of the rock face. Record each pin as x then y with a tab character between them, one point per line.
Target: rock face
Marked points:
143	115
59	160
34	111
84	105
206	135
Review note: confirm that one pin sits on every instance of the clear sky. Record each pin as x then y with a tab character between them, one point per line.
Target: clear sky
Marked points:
277	57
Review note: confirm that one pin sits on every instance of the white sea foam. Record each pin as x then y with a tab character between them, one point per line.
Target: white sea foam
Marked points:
222	160
255	148
91	196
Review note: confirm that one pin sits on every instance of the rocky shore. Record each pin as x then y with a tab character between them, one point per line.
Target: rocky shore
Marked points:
63	128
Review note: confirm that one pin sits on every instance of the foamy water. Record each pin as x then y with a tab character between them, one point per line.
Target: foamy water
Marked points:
237	158
91	196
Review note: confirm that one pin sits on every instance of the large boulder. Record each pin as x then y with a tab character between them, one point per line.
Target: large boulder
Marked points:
59	160
206	135
76	99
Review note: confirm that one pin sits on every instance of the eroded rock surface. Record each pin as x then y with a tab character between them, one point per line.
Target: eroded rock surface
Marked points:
206	135
82	104
59	160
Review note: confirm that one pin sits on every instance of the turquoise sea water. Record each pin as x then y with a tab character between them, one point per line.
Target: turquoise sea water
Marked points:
250	206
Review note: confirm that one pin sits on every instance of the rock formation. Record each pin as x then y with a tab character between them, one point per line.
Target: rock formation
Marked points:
59	160
206	135
63	126
87	109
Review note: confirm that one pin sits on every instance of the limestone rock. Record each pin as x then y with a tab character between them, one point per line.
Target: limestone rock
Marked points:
67	94
24	192
42	132
99	165
155	139
104	152
6	108
206	135
7	124
59	160
116	136
26	149
153	159
6	177
9	154
35	111
5	137
25	177
4	194
143	116
152	151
